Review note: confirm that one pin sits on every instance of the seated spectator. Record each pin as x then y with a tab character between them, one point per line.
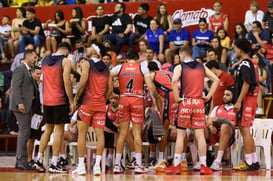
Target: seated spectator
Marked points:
220	127
267	50
165	21
109	48
59	29
5	30
107	60
176	61
213	56
178	37
220	51
262	81
20	56
61	2
225	40
142	23
254	14
13	42
258	36
80	52
45	3
149	58
268	18
143	45
155	38
201	40
121	28
218	19
100	26
78	25
32	31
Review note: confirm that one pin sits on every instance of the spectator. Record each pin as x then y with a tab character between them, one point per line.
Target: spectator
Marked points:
45	3
143	46
176	61
165	20
142	23
100	26
155	39
61	2
32	31
109	48
225	40
107	60
78	25
225	80
254	14
121	28
258	36
60	28
240	31
268	17
262	81
80	52
178	37
212	56
13	43
219	19
201	40
5	30
267	50
149	58
221	51
20	56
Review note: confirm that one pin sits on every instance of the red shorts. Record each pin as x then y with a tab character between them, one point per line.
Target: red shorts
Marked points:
131	109
93	118
170	108
247	112
191	114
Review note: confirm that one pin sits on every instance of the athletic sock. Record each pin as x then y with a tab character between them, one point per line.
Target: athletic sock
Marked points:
254	157
203	160
139	159
160	156
133	155
98	159
54	160
248	158
118	158
152	154
219	156
183	156
40	157
81	161
63	156
177	159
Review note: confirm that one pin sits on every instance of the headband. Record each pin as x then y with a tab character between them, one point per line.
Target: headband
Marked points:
96	47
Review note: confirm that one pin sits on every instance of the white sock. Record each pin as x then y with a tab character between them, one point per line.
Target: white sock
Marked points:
63	156
98	159
54	160
183	156
203	160
139	159
110	156
40	157
177	159
81	161
133	155
161	156
219	156
152	154
118	158
254	157
248	158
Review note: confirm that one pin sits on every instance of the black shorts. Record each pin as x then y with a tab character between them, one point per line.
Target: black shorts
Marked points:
109	140
56	114
36	134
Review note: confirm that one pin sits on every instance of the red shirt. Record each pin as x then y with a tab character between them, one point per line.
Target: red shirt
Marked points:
226	80
269	52
163	82
217	23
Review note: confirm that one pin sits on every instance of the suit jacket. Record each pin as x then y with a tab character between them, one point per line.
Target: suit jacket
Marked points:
22	89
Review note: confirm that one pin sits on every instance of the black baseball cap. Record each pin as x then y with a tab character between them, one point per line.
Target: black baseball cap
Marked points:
177	21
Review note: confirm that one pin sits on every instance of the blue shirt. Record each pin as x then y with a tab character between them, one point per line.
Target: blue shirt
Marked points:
178	38
153	39
207	36
264	35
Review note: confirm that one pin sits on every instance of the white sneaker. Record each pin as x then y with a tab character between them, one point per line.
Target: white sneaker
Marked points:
216	166
96	170
197	166
139	169
259	111
80	170
118	169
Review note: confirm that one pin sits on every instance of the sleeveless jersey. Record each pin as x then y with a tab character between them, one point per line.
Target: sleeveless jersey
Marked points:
53	85
221	112
163	82
131	80
94	94
112	116
192	79
217	23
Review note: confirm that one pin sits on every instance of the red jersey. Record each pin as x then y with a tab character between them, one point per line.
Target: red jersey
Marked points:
192	79
113	116
222	112
53	85
131	80
163	82
217	23
94	93
269	52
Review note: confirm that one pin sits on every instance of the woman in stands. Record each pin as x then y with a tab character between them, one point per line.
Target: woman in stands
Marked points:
60	27
155	38
78	25
254	14
143	45
13	42
221	51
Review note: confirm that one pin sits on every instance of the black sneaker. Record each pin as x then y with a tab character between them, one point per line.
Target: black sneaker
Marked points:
151	162
31	163
131	164
39	166
56	169
255	166
63	162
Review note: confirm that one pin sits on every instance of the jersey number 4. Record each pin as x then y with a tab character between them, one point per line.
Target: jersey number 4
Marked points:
130	84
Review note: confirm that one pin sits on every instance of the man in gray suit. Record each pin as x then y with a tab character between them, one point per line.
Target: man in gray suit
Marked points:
22	94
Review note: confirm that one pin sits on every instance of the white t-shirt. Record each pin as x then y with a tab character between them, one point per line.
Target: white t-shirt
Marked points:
5	29
144	69
249	18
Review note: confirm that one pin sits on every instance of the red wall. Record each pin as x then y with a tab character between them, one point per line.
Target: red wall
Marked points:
234	8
